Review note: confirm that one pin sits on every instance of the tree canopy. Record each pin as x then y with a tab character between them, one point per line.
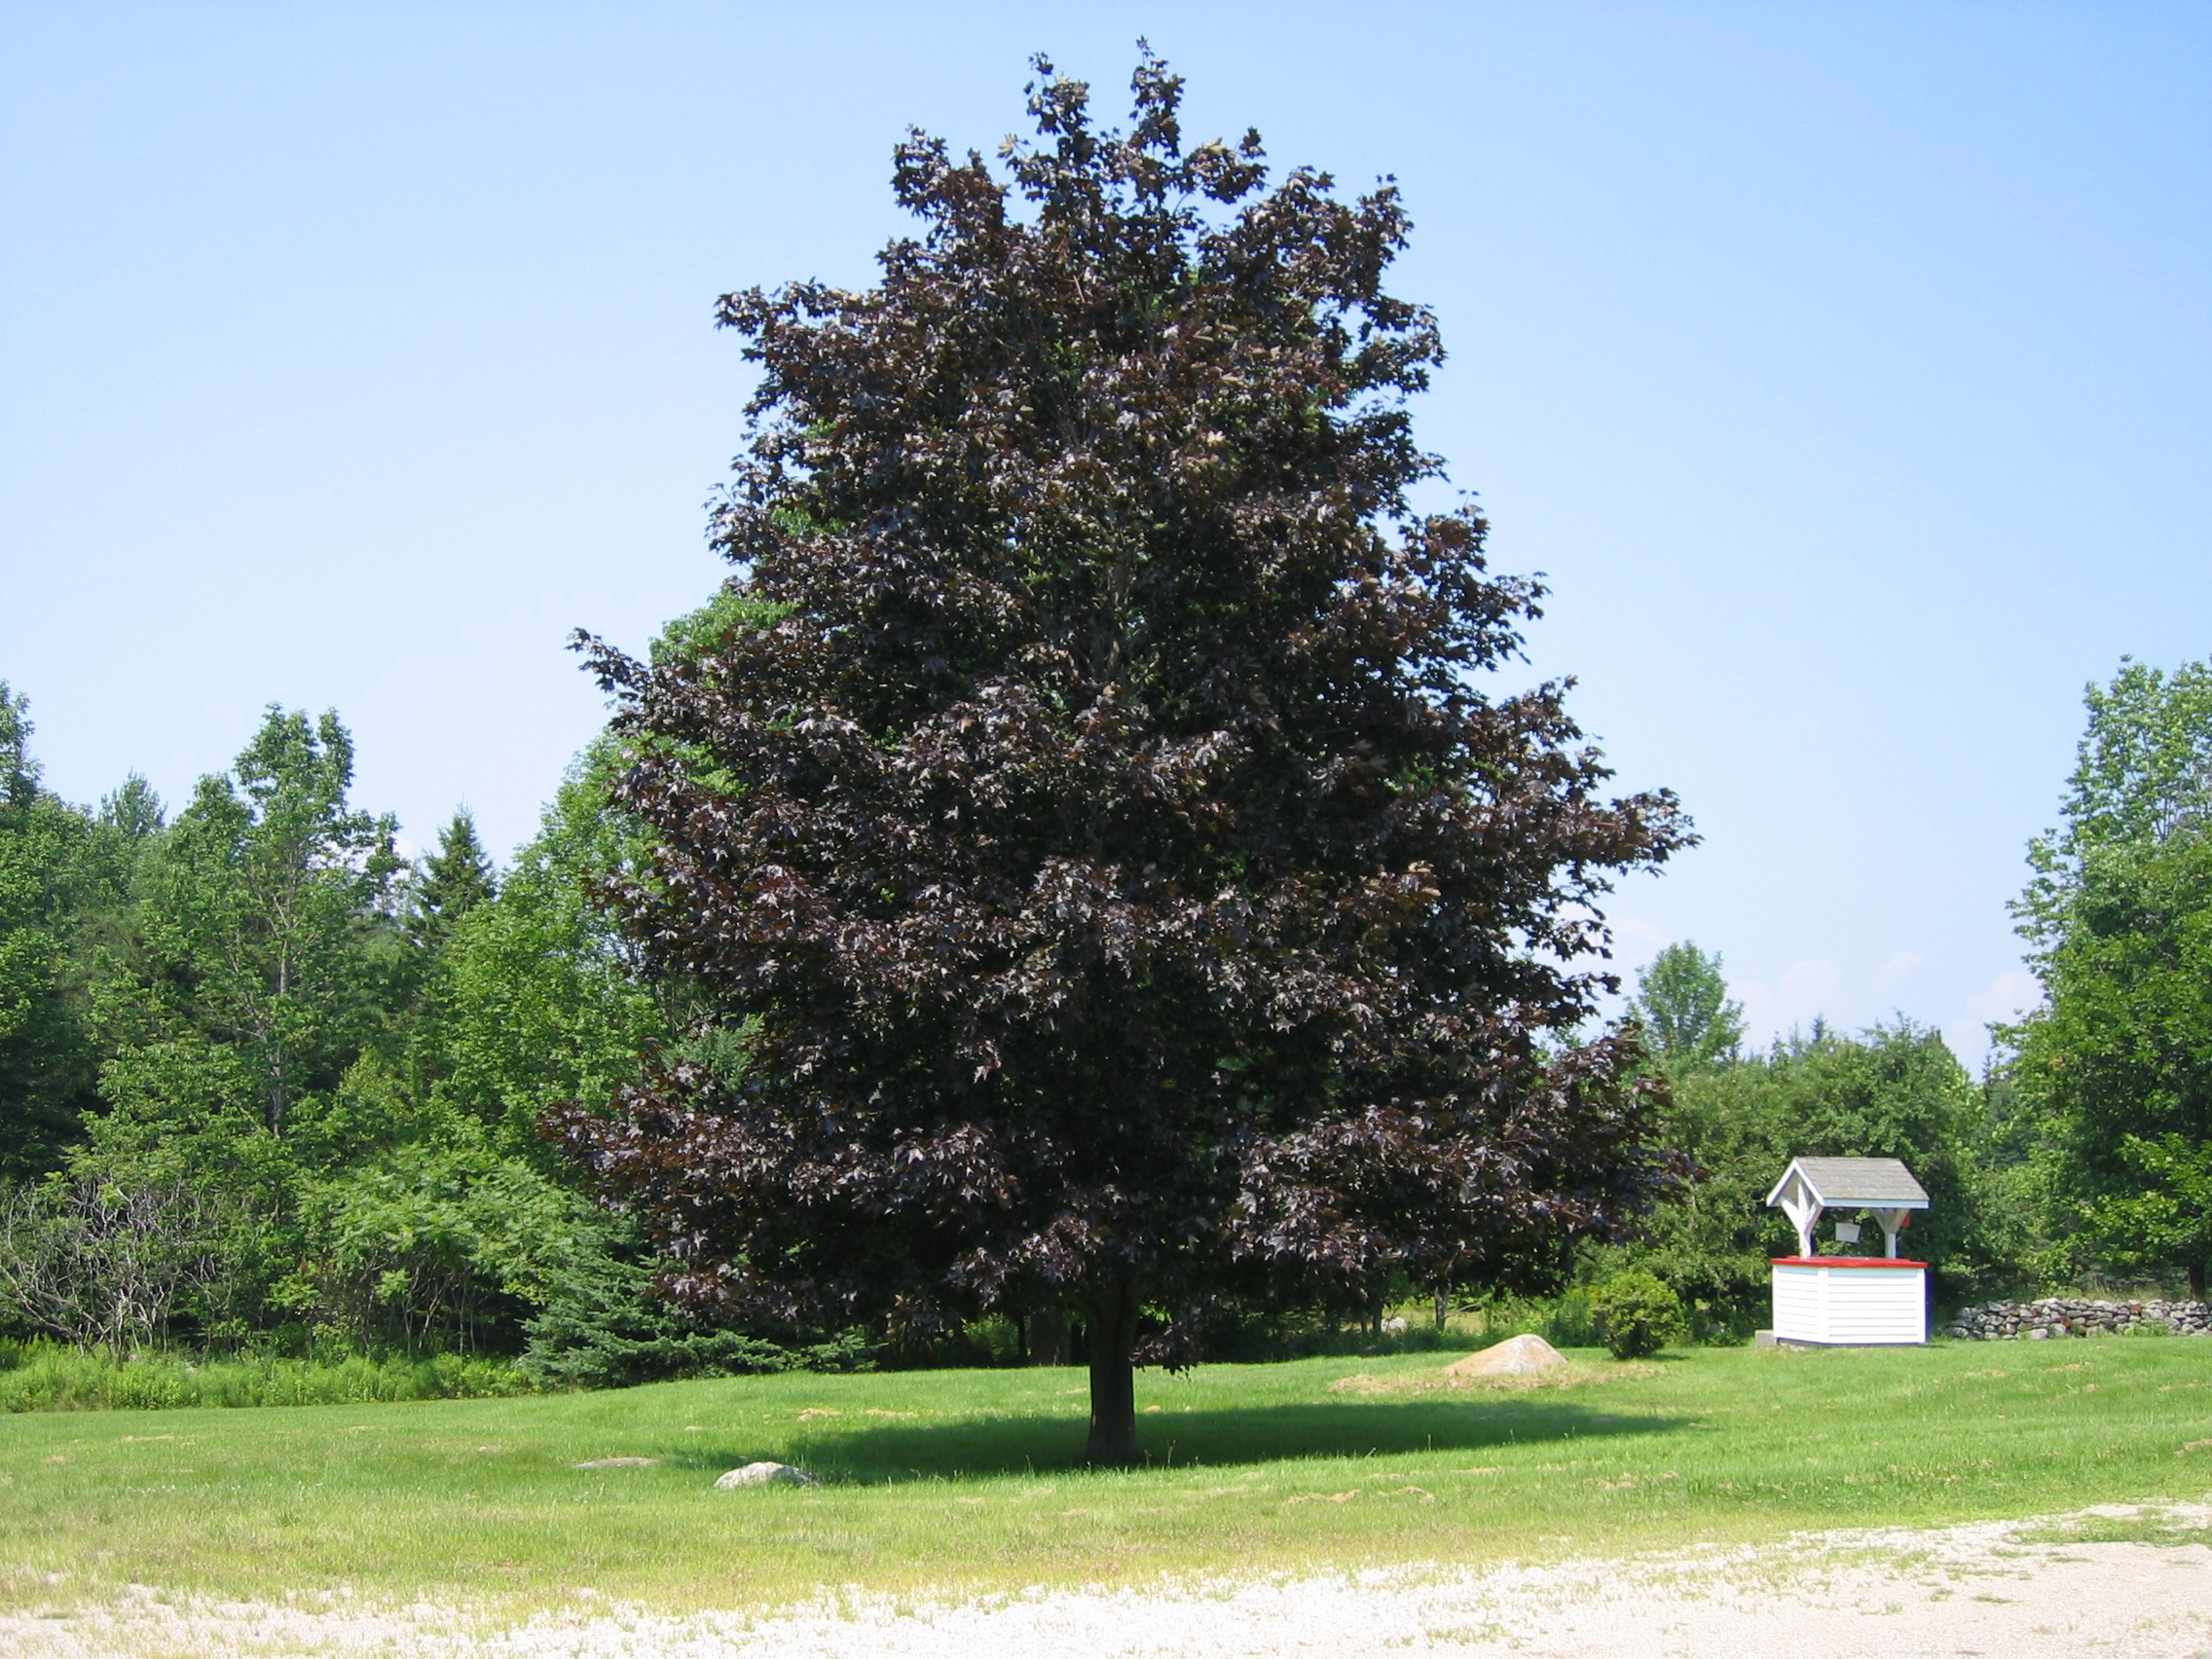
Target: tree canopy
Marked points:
57	868
2118	1064
1088	810
1681	1000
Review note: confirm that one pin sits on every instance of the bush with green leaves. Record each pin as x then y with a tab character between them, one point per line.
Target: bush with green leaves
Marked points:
1637	1314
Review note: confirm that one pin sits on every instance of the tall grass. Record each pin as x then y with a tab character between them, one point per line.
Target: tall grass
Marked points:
47	1377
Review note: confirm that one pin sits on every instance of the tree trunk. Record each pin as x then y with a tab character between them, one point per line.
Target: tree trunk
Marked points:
2196	1281
1113	1333
1049	1337
1443	1310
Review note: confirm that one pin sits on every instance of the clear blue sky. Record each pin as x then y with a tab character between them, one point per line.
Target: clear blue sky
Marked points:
1846	367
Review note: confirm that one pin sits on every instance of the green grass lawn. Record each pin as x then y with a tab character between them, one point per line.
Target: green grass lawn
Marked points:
965	1480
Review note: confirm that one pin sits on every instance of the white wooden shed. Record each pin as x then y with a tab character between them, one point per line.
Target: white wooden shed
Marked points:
1849	1299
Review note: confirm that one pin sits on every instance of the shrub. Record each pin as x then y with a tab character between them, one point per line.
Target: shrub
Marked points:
1562	1320
600	1328
1637	1314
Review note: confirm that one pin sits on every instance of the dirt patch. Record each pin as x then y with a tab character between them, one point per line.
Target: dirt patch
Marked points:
1575	1374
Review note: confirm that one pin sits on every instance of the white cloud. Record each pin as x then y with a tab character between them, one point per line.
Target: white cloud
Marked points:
1636	941
1806	991
1897	968
2008	996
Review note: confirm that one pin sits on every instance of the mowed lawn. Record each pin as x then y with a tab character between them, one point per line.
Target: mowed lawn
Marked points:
965	1480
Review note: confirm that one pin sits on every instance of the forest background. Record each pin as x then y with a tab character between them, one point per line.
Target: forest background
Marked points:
268	1088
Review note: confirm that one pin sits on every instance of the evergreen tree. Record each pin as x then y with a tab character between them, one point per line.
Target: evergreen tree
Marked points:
455	879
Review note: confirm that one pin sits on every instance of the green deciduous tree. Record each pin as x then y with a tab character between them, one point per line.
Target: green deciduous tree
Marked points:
259	965
133	812
430	1212
2142	775
542	1004
437	1242
58	872
306	1094
264	942
1681	999
2117	1065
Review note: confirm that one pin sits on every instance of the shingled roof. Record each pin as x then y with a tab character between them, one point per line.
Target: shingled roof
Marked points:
1854	1183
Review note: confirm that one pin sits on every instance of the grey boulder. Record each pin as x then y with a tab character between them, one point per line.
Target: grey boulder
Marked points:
1515	1356
765	1474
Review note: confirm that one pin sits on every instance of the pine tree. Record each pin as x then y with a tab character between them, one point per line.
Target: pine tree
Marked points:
455	879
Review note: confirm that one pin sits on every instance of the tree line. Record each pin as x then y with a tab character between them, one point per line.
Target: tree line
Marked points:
264	1083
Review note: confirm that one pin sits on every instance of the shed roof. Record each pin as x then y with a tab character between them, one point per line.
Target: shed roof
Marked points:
1839	1183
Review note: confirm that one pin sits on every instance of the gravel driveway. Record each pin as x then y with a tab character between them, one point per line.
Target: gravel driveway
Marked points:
1984	1589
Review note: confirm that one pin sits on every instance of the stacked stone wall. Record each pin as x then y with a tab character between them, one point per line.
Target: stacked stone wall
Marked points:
2073	1316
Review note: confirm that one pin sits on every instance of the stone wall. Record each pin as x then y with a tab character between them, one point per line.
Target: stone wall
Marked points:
2069	1316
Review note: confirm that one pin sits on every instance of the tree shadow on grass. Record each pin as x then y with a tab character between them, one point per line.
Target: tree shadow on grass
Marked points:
880	1453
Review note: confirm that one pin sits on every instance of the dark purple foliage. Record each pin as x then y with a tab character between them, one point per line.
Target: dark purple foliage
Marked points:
1133	902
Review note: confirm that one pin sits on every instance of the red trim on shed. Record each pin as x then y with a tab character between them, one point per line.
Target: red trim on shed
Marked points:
1843	1262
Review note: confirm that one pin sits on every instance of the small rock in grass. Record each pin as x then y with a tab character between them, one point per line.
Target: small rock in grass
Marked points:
1515	1356
617	1463
765	1474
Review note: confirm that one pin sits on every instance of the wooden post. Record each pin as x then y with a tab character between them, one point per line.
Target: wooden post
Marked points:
1803	1211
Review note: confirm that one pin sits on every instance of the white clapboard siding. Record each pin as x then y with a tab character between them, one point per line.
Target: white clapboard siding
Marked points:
1800	1304
1850	1305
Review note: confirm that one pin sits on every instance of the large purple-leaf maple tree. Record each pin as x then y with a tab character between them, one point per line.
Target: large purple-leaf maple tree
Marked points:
1084	803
